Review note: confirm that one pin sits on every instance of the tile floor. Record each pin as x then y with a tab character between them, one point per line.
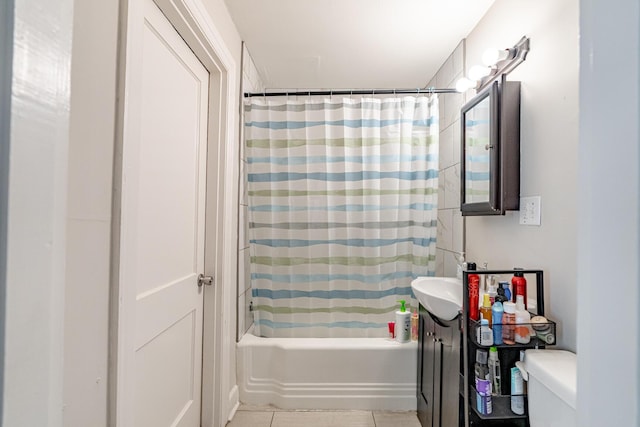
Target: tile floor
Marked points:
267	416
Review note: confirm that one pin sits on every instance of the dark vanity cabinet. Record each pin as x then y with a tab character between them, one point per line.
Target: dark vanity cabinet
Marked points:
438	371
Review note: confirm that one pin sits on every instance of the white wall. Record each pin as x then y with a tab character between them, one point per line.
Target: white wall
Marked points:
609	224
91	144
549	151
36	214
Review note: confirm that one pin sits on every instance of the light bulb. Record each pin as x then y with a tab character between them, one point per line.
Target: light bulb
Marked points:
477	72
493	55
464	84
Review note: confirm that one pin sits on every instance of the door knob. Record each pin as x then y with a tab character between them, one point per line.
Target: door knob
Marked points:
204	280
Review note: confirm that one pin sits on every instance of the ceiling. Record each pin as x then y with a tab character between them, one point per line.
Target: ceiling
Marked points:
332	44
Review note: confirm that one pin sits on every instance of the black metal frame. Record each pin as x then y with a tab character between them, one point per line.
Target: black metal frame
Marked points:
466	324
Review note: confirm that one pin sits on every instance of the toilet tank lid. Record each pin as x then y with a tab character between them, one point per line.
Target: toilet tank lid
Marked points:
556	370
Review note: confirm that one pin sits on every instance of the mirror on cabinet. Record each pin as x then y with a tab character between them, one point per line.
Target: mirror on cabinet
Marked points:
490	178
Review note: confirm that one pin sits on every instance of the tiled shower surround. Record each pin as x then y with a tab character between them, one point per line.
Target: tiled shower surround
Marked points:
450	222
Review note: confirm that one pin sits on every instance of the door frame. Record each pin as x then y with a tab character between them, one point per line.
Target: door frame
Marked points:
195	26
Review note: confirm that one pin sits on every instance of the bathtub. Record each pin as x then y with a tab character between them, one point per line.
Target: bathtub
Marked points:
327	373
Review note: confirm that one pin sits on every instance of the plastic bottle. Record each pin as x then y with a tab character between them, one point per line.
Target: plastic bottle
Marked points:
484	336
483	383
485	310
497	312
506	290
494	372
500	297
474	292
523	322
462	265
414	325
517	390
492	290
508	323
403	323
519	284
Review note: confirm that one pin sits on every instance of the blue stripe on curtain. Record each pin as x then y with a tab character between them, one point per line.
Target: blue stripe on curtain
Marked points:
342	211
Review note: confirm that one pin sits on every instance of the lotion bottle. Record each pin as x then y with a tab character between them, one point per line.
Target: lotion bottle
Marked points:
403	323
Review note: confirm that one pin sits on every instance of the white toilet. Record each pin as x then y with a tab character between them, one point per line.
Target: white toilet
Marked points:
551	376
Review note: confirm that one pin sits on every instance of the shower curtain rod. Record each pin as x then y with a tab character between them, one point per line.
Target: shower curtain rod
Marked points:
426	91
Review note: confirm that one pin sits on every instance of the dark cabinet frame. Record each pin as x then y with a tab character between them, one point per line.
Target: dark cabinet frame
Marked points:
503	147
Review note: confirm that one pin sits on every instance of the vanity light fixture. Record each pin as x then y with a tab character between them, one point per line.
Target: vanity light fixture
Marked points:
464	84
477	72
497	62
493	55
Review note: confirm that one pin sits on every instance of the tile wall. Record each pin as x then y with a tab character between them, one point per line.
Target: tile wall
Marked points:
251	82
450	222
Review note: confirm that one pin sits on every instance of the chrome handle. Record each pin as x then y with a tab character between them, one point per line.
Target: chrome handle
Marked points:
204	280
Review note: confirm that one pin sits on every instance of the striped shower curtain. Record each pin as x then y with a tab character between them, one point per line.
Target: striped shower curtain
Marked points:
342	211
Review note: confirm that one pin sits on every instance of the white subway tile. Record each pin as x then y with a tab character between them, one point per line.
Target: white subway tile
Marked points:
446	148
445	229
452	187
457	143
458	231
439	262
450	264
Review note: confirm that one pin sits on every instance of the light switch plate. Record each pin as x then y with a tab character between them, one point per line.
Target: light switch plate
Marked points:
530	210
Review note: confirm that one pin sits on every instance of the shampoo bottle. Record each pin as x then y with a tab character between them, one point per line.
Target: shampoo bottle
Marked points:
403	323
474	292
496	316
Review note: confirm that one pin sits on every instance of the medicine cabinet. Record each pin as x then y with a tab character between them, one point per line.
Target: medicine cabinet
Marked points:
490	138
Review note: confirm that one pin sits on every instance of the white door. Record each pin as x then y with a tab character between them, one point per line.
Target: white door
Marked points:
162	225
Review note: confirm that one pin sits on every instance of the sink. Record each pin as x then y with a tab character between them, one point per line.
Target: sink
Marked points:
441	296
